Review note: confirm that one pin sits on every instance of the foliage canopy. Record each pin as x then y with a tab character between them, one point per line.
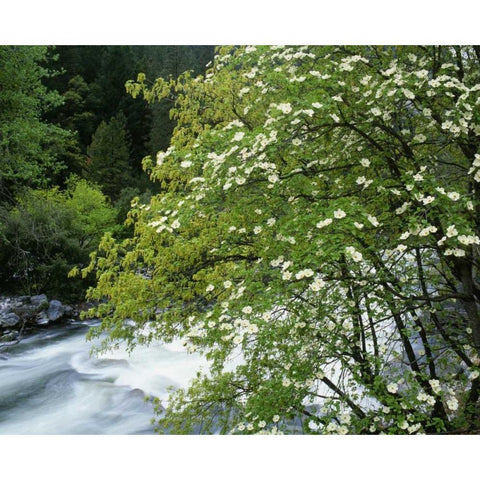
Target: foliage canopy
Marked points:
47	233
29	146
319	217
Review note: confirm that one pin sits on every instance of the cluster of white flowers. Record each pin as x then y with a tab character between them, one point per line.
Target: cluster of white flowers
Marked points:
360	180
354	254
238	136
161	157
424	232
286	382
334	427
365	162
452	403
427	200
435	384
403	208
284	107
403	424
475	168
300	79
277	262
288	239
373	220
324	223
453	196
414	428
420	138
423	397
469	239
240	180
451	231
392	387
197	180
457	252
317	284
161	225
307	273
273	178
454	129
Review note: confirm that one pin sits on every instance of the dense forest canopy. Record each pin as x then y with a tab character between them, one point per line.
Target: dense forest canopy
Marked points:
69	131
318	217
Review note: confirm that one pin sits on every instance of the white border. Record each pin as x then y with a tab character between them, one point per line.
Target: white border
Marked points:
209	22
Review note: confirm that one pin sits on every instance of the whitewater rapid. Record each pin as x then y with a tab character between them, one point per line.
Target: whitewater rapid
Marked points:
50	384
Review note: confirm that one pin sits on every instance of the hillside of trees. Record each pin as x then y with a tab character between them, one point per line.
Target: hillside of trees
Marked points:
71	148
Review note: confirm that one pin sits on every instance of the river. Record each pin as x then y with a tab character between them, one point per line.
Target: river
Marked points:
50	384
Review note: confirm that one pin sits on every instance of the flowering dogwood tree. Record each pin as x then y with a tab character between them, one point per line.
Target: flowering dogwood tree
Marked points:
319	217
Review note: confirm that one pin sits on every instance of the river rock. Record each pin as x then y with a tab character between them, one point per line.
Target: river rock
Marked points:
55	311
9	320
26	312
39	300
42	318
8	337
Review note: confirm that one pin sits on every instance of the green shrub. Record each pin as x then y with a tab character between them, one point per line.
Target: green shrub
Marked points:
48	233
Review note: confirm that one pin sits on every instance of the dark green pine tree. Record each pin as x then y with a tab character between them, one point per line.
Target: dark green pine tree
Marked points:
108	156
30	147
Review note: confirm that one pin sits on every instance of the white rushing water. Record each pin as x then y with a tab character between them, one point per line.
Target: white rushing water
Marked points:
49	384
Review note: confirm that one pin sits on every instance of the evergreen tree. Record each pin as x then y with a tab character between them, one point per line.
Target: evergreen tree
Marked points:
108	156
30	147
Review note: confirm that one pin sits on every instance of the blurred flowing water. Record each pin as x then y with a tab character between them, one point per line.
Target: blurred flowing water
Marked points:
49	384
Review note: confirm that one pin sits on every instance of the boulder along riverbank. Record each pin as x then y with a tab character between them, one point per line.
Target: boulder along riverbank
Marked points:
21	316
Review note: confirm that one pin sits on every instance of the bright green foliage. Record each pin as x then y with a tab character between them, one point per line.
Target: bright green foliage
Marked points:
93	213
29	147
48	233
108	162
320	218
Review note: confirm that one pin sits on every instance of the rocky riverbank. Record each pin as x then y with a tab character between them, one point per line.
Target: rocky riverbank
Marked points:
20	316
